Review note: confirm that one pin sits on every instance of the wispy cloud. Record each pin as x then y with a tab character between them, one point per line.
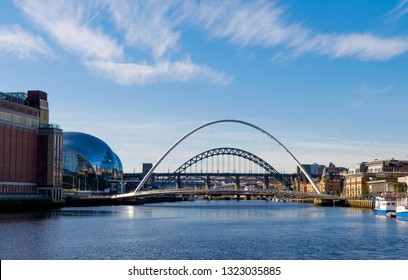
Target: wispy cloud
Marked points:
261	23
369	95
256	23
14	40
361	46
128	74
365	90
148	25
104	35
68	23
400	10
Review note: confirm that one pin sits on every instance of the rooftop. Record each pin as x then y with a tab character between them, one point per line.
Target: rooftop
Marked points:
15	97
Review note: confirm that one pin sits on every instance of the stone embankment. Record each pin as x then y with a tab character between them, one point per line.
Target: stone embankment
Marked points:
360	203
356	203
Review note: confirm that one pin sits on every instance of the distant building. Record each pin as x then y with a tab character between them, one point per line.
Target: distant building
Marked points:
313	169
378	176
328	179
356	181
403	181
30	147
146	168
387	165
331	181
302	185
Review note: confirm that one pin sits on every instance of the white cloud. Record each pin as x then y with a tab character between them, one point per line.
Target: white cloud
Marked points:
68	23
23	44
85	29
261	23
361	46
147	24
365	90
127	74
400	10
256	23
368	95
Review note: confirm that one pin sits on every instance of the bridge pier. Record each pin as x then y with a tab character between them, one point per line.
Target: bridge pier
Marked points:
178	182
266	182
238	182
208	182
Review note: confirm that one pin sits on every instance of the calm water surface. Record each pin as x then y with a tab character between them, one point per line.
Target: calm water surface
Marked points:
203	230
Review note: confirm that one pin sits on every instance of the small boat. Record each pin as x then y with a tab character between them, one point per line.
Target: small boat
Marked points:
275	199
402	207
385	205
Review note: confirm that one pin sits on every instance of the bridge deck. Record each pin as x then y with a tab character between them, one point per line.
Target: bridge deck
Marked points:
217	192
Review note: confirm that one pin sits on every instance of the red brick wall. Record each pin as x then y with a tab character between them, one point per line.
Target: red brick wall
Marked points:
18	154
42	160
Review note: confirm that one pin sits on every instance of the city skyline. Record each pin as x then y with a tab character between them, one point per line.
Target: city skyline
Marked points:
325	78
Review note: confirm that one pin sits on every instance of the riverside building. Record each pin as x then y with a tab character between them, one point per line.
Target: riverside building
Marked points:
30	148
378	176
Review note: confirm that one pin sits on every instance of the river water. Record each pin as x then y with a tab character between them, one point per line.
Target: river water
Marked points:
210	230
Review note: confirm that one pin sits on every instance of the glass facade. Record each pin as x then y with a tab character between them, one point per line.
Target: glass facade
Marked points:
88	156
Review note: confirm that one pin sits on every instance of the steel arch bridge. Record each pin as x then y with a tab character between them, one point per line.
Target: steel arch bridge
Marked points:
230	152
147	176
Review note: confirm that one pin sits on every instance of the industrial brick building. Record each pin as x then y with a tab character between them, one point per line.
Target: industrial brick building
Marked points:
30	148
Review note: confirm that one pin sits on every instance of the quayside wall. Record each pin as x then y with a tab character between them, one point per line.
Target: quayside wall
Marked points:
360	203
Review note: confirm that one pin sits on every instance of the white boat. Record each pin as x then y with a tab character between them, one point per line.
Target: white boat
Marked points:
402	207
385	205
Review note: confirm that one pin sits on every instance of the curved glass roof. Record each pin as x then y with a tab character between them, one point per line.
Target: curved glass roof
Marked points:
93	149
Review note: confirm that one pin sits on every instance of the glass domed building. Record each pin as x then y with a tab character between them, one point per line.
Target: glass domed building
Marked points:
88	162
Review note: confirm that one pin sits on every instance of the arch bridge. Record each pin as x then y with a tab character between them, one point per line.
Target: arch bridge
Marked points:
269	171
207	154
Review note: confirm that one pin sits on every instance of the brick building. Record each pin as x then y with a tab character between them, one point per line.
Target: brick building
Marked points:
370	178
30	147
331	181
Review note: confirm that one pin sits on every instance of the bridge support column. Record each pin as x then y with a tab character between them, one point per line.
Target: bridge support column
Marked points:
266	182
237	182
208	182
178	182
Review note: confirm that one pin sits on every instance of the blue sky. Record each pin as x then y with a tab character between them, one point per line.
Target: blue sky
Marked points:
327	78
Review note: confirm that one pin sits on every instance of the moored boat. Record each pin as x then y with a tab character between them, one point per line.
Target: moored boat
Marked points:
402	207
385	204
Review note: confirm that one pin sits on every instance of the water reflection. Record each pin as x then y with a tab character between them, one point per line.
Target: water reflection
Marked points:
18	217
203	230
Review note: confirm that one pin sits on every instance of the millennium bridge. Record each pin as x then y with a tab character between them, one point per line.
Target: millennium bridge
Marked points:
274	184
